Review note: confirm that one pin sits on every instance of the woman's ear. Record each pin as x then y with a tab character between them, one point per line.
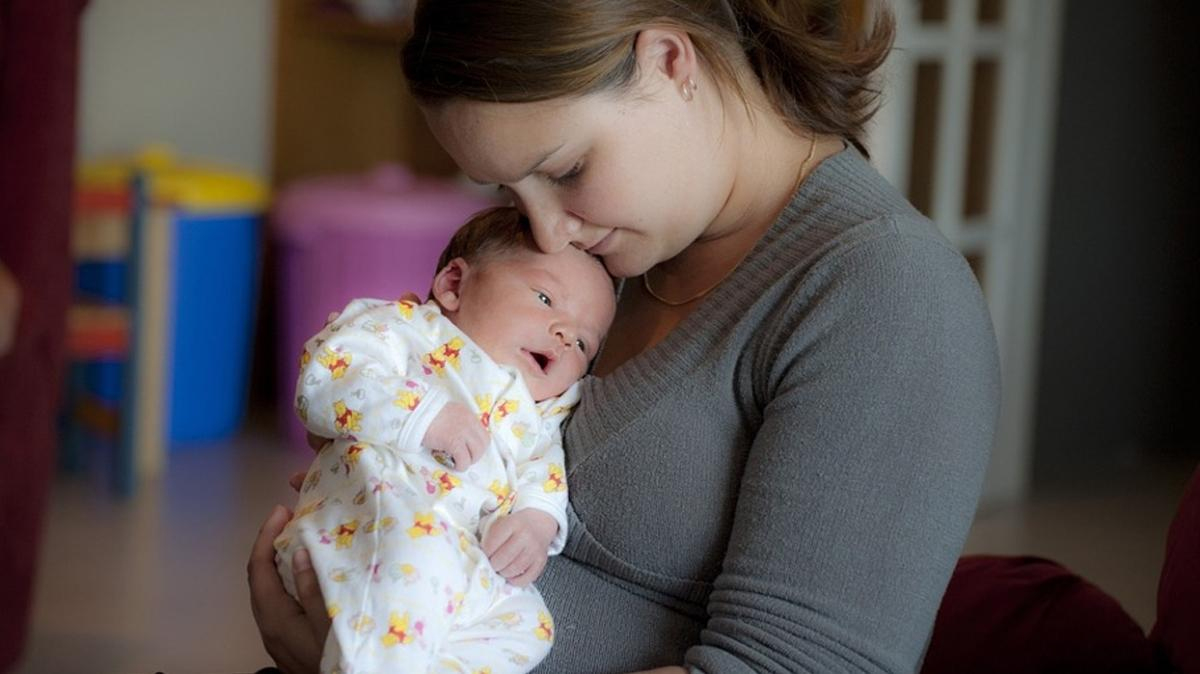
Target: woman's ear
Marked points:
447	284
667	54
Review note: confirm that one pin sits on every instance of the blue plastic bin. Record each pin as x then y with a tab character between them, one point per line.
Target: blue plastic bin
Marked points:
216	271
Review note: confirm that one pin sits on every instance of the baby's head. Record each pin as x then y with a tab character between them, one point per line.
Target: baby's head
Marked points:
542	313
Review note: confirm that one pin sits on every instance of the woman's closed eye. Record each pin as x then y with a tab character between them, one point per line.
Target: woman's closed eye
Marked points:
570	177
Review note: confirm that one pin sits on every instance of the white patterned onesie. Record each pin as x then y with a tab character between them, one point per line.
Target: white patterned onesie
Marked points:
393	535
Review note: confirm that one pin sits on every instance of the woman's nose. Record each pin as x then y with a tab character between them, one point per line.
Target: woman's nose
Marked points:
553	227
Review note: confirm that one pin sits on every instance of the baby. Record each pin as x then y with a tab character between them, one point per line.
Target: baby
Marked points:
443	493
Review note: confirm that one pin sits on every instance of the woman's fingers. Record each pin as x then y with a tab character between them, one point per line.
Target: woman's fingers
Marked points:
296	481
265	585
310	594
286	631
316	442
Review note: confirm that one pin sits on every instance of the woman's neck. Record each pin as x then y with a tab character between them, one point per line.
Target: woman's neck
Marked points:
770	163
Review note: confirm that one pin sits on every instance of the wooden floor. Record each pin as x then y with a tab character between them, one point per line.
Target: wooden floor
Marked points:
157	583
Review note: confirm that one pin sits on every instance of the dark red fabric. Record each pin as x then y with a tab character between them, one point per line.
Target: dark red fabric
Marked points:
1005	615
38	57
1176	632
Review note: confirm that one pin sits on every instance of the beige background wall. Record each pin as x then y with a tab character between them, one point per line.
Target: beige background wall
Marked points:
194	73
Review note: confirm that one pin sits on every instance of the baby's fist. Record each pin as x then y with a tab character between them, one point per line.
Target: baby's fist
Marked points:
518	544
457	434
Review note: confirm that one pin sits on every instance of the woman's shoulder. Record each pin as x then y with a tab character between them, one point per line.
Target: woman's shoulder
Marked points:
847	221
843	202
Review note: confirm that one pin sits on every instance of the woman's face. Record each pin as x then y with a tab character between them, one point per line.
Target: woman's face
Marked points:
632	179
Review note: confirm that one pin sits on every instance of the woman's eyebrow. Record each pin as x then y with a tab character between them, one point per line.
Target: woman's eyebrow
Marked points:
538	163
524	175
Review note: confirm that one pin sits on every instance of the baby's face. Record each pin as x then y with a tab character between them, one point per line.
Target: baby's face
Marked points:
543	314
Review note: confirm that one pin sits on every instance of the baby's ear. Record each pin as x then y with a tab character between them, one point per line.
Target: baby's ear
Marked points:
447	284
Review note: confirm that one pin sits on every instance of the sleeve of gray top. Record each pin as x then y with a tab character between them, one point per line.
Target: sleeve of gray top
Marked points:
863	479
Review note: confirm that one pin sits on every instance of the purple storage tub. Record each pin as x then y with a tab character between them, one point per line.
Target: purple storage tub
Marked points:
373	235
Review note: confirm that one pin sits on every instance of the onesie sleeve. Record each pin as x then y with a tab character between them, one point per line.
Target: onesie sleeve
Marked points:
879	391
541	478
361	378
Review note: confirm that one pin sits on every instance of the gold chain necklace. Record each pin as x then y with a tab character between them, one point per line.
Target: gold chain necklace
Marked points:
678	303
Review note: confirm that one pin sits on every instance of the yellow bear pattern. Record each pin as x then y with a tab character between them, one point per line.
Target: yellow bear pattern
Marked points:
397	633
446	355
346	420
423	525
337	362
408	399
555	482
505	496
545	629
344	534
484	404
445	482
351	455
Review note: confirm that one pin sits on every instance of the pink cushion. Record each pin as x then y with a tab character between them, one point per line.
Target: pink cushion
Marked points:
1028	615
1176	633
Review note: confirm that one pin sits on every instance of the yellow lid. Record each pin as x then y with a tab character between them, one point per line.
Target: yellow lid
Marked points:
193	187
196	188
105	175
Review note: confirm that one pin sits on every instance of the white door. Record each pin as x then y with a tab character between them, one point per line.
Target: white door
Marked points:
965	130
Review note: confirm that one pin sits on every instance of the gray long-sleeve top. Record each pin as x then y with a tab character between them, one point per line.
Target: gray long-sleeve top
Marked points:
784	483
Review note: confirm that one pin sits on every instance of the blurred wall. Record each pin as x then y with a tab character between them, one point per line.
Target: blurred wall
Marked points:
1119	378
194	73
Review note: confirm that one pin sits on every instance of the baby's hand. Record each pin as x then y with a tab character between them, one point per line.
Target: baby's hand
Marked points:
457	433
518	545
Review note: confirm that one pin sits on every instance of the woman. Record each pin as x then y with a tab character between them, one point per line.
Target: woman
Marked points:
776	463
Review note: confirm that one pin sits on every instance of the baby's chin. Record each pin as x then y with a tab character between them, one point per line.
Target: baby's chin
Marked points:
539	396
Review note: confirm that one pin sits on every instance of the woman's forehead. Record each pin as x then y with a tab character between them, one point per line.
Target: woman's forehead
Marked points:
499	142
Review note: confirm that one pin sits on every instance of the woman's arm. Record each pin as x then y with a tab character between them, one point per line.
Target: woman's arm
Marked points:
862	480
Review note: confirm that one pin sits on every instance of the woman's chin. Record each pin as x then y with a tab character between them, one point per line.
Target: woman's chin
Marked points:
620	266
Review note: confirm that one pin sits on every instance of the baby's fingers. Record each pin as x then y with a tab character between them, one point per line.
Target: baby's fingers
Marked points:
478	444
460	455
531	574
512	559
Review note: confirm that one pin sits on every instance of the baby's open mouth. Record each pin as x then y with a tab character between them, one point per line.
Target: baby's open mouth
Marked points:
542	360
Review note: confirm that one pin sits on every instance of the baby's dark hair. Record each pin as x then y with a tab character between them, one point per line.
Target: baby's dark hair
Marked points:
496	230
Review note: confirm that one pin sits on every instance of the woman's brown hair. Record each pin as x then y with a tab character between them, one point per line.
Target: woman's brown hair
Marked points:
814	68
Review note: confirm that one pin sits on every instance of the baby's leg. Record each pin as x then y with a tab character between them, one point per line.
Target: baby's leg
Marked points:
510	637
387	562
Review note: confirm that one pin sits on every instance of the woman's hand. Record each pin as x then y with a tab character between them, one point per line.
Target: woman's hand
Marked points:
10	309
293	633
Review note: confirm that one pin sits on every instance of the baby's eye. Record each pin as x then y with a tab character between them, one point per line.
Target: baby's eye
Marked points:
544	298
581	345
